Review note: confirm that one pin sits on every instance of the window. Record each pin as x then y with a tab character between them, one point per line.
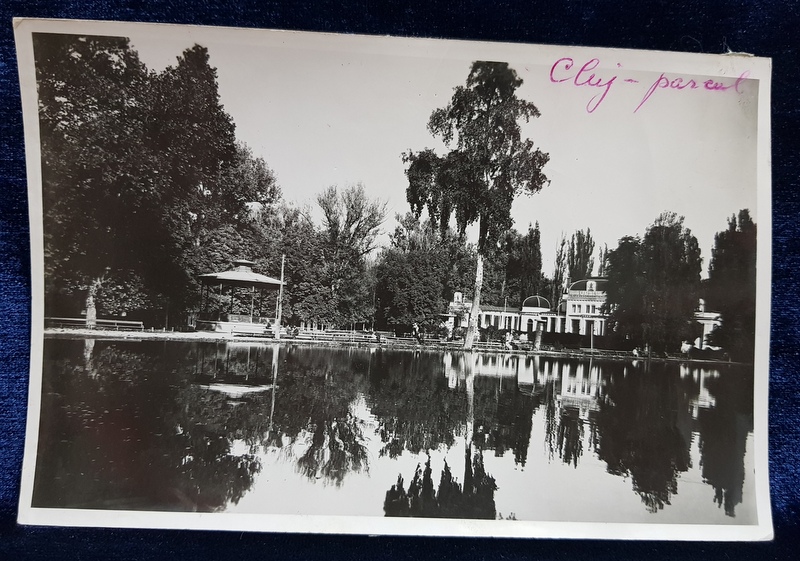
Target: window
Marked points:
579	308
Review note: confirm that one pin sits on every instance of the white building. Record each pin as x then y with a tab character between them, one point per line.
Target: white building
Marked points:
581	310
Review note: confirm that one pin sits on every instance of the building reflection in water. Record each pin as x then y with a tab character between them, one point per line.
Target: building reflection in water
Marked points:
639	418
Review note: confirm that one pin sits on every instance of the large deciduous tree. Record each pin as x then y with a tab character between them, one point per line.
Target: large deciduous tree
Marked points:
193	141
731	287
96	172
351	224
418	274
143	184
654	283
489	164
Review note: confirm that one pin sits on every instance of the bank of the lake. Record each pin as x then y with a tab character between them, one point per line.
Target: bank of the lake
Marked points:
387	343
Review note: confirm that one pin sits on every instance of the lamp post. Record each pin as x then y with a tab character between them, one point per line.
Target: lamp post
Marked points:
279	311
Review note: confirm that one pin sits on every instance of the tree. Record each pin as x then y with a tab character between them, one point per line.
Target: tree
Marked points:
731	287
93	104
351	224
418	273
579	259
603	261
528	264
559	272
193	141
514	269
653	285
488	167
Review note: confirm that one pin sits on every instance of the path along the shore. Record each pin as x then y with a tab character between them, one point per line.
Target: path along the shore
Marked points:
385	343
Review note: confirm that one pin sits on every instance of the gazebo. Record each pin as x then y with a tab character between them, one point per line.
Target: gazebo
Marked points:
240	278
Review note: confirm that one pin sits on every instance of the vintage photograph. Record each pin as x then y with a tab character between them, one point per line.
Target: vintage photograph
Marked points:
304	282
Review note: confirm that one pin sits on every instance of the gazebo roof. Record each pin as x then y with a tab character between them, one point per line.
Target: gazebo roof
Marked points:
241	276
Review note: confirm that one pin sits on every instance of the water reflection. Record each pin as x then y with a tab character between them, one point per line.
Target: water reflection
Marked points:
473	499
201	426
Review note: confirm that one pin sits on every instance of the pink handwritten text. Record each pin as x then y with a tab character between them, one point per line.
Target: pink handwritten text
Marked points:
561	71
566	71
680	83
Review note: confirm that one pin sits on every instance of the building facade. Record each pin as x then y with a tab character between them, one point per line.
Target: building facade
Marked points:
581	311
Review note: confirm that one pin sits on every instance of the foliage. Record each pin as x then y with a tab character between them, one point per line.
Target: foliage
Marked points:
141	175
474	499
92	109
731	287
488	166
559	272
418	274
603	261
351	224
653	285
514	269
579	257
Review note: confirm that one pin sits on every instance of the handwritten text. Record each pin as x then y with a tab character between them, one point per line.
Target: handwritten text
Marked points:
567	71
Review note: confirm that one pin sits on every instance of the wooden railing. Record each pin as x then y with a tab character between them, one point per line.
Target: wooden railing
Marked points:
80	323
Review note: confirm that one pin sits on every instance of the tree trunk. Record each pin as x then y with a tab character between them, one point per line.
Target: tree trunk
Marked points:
472	328
91	307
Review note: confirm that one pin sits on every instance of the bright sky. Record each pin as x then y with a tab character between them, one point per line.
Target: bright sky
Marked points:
325	110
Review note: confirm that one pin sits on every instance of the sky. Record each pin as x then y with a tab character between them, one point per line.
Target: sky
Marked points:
337	110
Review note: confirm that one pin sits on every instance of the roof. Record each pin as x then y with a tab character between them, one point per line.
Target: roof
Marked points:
536	302
241	276
600	284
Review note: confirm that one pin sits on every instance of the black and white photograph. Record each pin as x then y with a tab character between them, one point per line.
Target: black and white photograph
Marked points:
306	282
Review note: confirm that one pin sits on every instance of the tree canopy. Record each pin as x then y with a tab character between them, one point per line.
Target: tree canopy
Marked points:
488	165
654	285
580	262
731	286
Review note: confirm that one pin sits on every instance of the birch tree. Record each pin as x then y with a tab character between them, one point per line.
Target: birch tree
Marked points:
488	165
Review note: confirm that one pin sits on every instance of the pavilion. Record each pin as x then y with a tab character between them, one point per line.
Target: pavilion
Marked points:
230	283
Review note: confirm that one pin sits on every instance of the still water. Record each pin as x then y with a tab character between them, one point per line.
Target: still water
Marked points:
268	428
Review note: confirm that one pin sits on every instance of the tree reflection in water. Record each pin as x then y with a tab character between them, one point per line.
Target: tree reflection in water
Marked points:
312	420
503	412
570	436
475	499
416	409
126	430
136	425
334	448
644	429
723	437
564	426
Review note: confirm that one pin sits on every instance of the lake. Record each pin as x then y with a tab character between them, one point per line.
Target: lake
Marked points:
293	429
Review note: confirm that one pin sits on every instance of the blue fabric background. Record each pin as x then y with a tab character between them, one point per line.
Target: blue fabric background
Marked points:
765	28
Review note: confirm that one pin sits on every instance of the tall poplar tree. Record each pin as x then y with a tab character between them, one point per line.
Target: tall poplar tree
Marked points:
488	166
579	258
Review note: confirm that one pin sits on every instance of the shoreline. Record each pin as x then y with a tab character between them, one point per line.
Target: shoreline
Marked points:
214	337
